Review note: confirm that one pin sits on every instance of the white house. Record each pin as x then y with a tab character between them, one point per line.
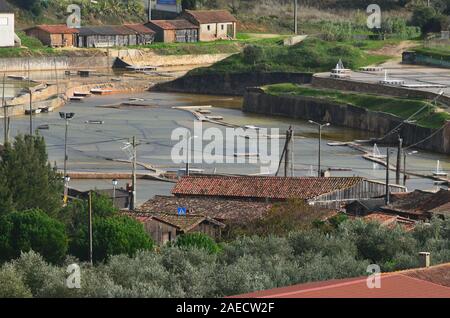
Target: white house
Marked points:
6	25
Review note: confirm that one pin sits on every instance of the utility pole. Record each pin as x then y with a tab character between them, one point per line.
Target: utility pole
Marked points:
292	152
399	160
287	154
67	117
296	17
31	99
387	201
319	169
5	112
90	228
133	201
149	10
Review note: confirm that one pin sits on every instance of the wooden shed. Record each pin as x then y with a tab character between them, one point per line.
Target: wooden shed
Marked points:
170	31
164	228
54	35
114	35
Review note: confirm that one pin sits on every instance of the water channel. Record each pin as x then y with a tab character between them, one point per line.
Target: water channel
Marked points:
91	146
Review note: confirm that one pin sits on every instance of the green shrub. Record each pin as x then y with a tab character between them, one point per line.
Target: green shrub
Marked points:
32	230
111	236
197	240
11	284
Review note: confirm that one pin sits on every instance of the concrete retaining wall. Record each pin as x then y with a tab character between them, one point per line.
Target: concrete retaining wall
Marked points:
373	88
230	84
257	101
61	62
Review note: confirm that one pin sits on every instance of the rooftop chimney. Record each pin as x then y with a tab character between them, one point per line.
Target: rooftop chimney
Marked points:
424	259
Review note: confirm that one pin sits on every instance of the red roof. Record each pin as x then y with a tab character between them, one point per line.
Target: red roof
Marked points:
55	29
178	24
262	187
211	16
420	202
421	283
139	28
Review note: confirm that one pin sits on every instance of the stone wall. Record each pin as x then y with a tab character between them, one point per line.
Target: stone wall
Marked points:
308	108
373	88
230	84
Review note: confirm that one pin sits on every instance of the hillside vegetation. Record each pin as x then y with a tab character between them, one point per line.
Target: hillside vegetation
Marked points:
312	55
401	107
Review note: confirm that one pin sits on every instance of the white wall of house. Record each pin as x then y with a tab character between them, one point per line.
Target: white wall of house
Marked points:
7	29
215	31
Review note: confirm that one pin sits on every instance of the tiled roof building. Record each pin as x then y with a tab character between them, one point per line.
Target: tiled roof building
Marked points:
329	193
217	208
420	204
432	282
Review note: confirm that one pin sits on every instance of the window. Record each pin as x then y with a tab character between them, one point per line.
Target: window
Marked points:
209	27
223	27
3	21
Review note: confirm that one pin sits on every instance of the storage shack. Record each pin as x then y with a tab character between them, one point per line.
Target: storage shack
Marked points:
54	35
114	35
169	31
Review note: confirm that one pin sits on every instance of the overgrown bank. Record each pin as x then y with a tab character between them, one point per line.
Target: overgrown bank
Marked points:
427	129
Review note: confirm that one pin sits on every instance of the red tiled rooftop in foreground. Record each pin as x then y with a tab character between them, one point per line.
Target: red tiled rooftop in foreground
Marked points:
261	187
432	282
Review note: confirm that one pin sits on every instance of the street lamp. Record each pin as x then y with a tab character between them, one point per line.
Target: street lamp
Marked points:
114	183
405	154
66	117
321	126
189	138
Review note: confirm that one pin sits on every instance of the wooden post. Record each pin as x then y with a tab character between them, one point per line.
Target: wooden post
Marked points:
5	113
399	160
387	200
90	229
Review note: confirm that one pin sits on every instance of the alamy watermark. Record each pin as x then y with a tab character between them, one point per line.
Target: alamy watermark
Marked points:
252	145
374	279
73	281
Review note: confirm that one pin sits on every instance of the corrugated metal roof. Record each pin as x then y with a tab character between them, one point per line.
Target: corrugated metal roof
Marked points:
179	24
55	29
106	30
262	187
211	16
139	28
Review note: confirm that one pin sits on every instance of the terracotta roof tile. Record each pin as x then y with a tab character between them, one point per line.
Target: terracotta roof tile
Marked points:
139	28
55	29
262	187
211	16
217	208
418	283
183	223
421	202
177	24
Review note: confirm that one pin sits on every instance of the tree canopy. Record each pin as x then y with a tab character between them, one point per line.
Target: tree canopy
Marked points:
27	179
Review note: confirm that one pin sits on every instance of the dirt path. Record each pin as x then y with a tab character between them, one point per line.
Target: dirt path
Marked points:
395	50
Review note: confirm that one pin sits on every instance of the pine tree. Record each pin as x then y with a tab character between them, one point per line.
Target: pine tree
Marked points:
30	180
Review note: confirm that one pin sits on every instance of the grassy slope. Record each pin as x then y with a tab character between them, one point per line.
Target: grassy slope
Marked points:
400	107
440	52
312	55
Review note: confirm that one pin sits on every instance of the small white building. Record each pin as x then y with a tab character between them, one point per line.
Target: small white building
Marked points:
213	24
7	35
